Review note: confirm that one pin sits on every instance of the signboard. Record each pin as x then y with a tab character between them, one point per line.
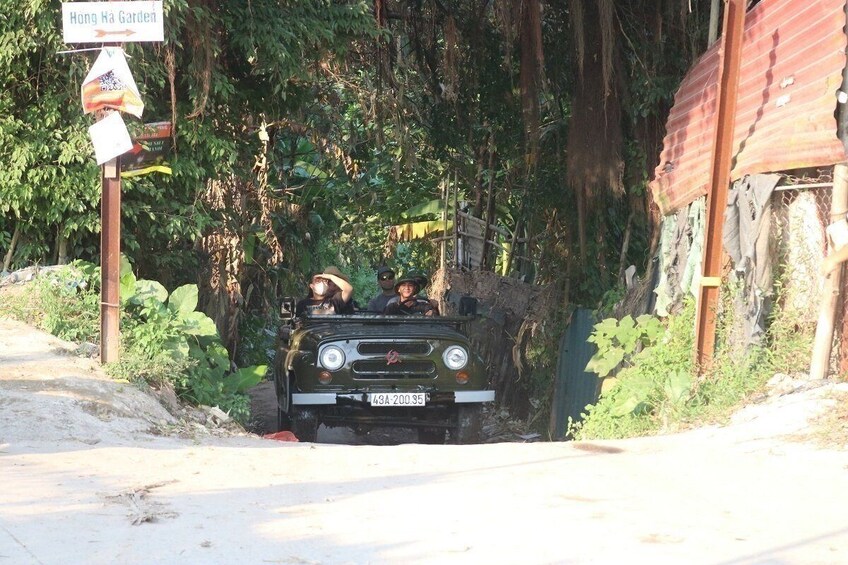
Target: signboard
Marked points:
112	22
110	138
110	85
149	153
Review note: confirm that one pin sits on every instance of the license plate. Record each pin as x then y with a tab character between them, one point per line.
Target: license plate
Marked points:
397	398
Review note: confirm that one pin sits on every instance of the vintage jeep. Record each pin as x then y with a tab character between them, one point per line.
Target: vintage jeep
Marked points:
368	370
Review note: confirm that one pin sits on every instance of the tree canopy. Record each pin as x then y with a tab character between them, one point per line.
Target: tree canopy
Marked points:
304	129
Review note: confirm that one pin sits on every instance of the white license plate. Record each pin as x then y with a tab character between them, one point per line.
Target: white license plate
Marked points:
397	398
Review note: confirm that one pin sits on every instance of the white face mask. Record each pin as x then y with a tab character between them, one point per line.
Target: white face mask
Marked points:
319	288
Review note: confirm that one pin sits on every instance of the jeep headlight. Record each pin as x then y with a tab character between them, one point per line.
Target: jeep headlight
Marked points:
332	358
455	357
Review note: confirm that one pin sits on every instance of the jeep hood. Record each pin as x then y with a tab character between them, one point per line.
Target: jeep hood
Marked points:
395	331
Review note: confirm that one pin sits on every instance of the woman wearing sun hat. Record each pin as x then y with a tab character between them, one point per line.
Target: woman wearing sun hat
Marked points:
330	292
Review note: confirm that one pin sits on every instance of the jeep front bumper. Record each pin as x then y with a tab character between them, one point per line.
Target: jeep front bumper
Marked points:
333	398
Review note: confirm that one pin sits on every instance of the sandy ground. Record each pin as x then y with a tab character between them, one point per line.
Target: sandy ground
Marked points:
87	476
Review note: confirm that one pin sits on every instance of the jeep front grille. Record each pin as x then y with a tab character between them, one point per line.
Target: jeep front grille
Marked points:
379	369
383	347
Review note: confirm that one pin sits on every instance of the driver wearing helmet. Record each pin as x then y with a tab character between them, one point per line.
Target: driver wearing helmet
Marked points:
407	300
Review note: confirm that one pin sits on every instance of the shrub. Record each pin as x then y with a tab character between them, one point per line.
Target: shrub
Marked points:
64	302
169	332
163	338
657	388
655	380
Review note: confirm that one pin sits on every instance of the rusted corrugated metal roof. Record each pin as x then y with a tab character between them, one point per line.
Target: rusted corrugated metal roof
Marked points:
793	53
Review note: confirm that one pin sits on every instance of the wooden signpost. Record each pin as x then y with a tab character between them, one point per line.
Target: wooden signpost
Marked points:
105	23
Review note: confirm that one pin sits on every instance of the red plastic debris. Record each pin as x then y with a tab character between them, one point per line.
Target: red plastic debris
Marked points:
281	436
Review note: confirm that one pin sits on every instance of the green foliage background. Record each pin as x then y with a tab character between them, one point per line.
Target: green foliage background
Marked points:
367	117
328	120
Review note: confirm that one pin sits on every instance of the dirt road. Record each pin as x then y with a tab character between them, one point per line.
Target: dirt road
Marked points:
88	477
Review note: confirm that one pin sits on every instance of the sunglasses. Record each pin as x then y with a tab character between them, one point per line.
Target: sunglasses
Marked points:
387	277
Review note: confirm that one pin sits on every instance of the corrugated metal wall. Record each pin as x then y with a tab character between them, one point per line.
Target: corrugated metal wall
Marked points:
574	387
793	53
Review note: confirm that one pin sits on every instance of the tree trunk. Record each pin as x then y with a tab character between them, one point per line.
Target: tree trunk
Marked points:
219	280
61	257
7	261
580	195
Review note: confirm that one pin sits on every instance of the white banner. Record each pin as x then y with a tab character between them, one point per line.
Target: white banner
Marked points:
110	138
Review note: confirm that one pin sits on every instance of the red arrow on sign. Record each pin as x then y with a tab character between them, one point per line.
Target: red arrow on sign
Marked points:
124	32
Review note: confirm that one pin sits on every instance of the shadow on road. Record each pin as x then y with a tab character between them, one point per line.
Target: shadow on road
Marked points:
263	420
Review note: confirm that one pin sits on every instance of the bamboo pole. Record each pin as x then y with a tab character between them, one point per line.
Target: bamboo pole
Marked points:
712	34
455	221
444	245
511	250
823	343
490	209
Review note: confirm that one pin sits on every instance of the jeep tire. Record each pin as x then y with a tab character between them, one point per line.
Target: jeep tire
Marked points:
283	421
304	424
468	424
431	435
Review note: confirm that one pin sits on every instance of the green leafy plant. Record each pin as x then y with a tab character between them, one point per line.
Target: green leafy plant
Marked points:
170	332
618	341
654	384
655	390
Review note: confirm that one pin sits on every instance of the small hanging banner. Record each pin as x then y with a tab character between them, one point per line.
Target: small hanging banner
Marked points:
150	150
110	138
110	85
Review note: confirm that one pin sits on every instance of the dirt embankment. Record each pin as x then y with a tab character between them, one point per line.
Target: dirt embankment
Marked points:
49	393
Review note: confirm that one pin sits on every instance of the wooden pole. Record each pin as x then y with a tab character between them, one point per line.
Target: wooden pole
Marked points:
730	56
490	208
110	256
830	306
110	262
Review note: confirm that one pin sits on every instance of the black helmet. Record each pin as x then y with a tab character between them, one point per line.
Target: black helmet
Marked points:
383	269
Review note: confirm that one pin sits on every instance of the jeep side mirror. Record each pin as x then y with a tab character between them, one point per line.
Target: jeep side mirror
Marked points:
467	306
287	309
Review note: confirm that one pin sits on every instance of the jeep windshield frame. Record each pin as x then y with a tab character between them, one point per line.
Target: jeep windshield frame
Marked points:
384	318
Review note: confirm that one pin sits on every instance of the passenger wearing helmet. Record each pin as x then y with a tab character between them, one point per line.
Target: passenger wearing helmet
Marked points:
407	301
